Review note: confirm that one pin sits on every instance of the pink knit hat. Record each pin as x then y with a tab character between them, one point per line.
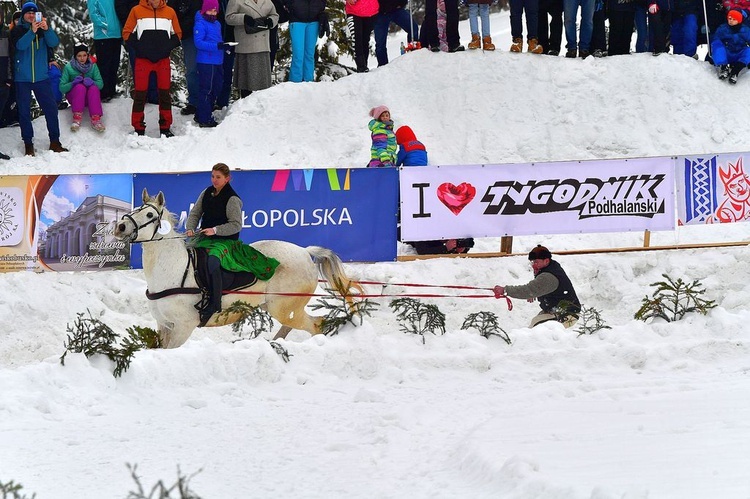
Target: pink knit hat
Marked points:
209	5
375	112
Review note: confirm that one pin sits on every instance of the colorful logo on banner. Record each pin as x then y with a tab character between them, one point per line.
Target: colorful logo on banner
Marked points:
716	190
302	180
11	216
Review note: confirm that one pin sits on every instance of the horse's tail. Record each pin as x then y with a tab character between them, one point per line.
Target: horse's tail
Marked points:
332	269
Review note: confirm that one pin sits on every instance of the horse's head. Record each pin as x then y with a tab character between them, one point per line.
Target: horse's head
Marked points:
142	224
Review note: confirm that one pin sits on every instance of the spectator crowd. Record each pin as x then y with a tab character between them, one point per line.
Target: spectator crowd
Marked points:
232	44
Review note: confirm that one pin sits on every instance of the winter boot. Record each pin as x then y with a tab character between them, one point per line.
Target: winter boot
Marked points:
534	46
735	72
57	147
517	45
96	123
29	149
487	43
76	125
724	71
475	42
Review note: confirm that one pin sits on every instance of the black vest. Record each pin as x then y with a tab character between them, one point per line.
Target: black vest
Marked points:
215	209
564	291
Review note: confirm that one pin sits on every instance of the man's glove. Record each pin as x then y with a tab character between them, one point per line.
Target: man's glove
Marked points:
78	79
499	291
653	8
88	81
324	28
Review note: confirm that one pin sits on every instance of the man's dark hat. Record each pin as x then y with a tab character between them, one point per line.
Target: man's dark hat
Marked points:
539	253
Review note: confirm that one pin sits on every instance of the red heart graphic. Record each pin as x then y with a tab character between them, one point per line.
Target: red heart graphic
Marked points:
456	197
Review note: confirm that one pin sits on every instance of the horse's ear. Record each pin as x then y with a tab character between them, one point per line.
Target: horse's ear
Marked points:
160	199
145	196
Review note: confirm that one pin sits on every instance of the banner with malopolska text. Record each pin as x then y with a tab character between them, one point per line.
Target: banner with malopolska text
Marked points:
713	188
350	211
63	222
440	202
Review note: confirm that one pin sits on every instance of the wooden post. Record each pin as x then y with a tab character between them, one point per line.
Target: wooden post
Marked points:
646	238
506	244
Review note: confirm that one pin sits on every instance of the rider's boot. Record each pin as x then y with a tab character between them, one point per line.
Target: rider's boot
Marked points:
214	287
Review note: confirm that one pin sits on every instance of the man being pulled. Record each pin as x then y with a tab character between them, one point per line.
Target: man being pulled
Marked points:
551	286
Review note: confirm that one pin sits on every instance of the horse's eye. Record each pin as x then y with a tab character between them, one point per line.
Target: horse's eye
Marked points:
149	215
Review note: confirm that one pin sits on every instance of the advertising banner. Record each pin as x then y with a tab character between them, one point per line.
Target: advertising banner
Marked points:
442	202
712	189
350	211
63	222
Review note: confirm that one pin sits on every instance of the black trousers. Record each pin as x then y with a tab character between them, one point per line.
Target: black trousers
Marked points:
429	35
549	32
108	60
620	31
363	27
215	286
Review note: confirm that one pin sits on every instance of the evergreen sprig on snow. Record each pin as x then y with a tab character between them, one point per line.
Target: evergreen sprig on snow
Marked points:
487	325
418	318
590	321
342	310
91	336
12	490
672	300
257	319
179	490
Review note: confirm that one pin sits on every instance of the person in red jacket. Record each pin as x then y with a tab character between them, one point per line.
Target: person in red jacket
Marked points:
152	30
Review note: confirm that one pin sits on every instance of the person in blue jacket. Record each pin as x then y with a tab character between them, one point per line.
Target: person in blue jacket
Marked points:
411	152
31	40
730	46
209	61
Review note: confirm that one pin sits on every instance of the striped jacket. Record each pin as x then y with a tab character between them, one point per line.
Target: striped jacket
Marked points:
157	30
383	150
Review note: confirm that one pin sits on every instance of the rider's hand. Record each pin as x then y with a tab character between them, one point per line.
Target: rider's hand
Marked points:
499	291
209	232
190	233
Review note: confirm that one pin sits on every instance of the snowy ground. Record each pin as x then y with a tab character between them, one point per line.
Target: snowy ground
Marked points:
642	410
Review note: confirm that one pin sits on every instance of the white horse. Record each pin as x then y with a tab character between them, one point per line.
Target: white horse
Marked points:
170	277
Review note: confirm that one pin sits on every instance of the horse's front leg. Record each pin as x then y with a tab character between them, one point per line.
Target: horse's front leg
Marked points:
173	334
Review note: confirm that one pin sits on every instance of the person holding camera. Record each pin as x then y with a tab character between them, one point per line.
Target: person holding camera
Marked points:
32	38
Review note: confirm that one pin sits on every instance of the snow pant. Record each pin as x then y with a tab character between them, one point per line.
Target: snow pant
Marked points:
43	94
660	24
401	18
210	82
362	31
189	53
517	9
81	96
541	317
549	32
642	41
143	70
620	32
476	11
304	37
570	8
684	34
599	33
152	94
222	100
429	35
108	60
722	56
55	75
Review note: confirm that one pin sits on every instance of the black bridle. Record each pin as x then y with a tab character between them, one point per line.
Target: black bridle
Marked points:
156	220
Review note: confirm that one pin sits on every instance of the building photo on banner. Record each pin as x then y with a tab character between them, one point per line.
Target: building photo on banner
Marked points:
578	155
